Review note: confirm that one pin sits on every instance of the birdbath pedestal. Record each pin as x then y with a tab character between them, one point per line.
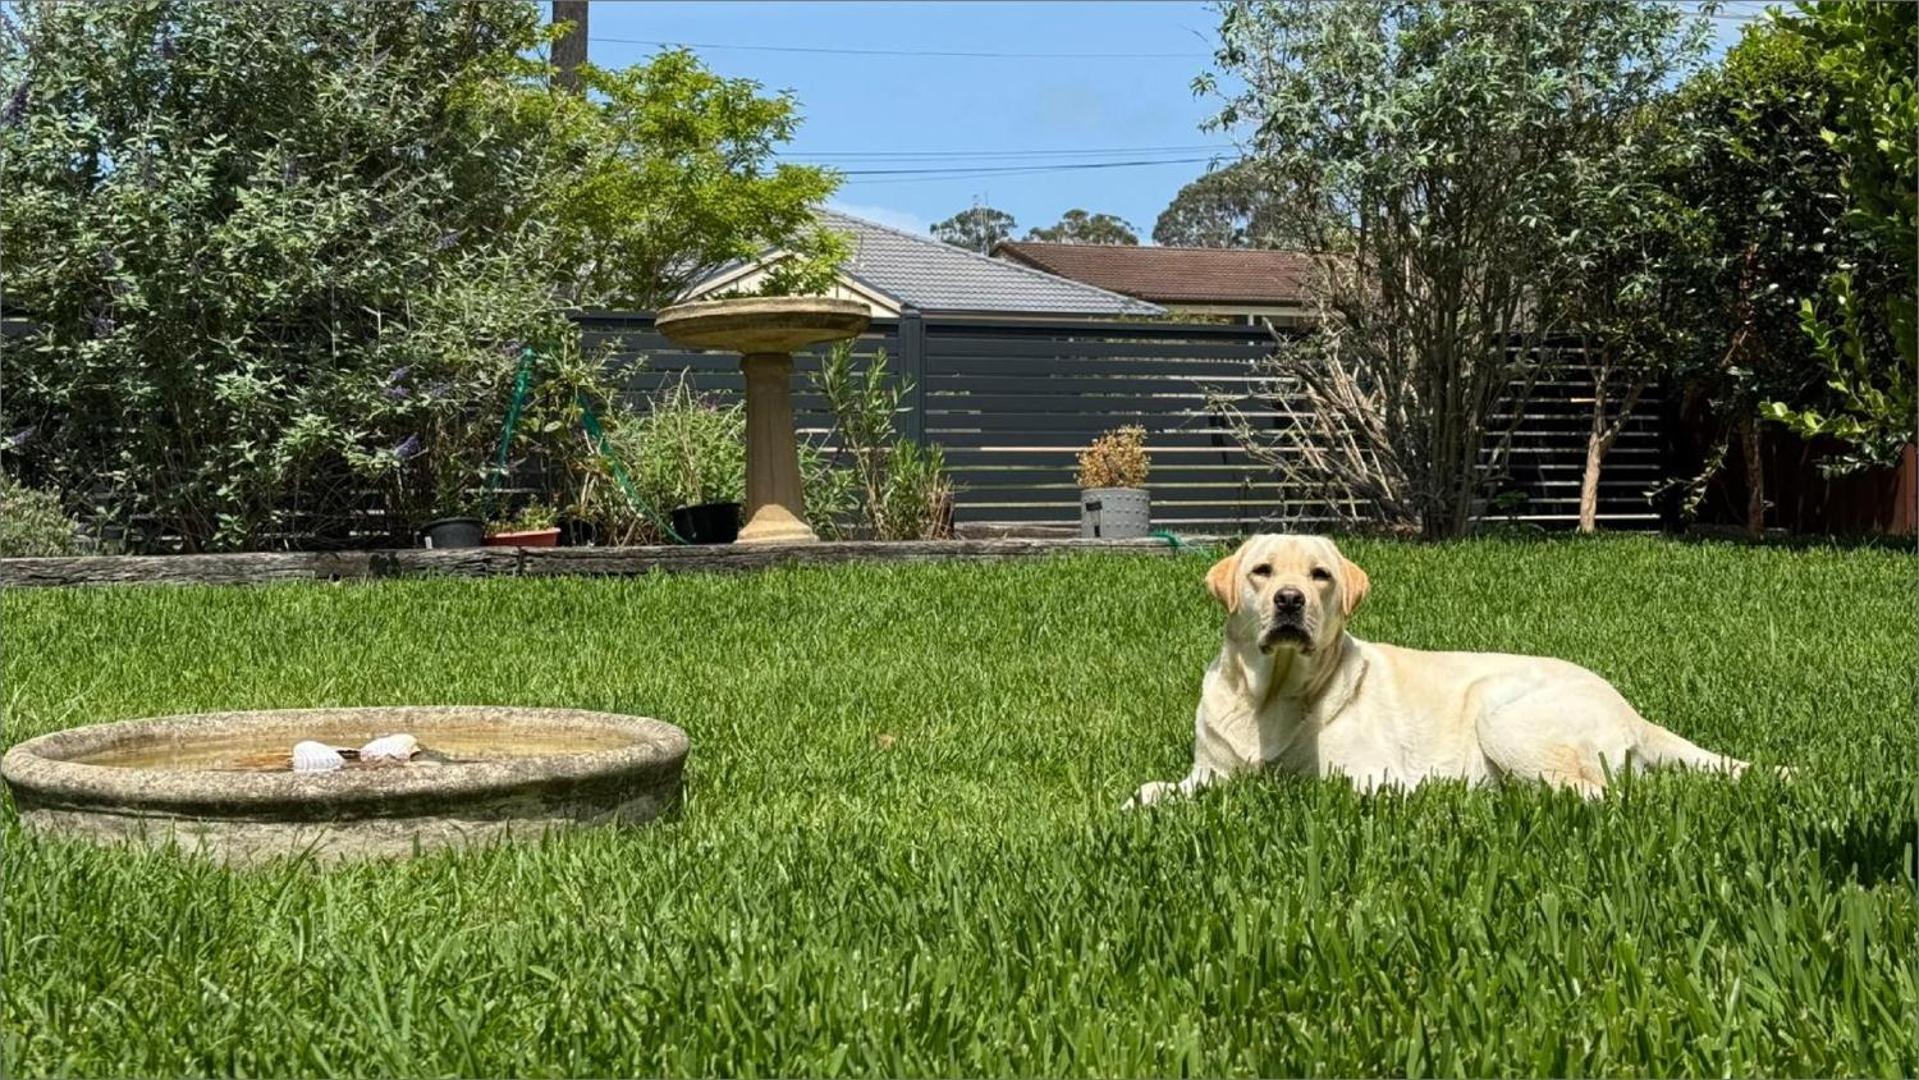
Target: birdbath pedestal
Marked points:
765	331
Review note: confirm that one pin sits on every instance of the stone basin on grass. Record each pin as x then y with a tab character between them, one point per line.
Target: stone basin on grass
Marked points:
221	784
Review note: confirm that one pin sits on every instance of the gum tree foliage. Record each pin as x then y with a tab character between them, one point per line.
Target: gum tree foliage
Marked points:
1862	327
1425	149
283	258
1229	207
975	229
1079	227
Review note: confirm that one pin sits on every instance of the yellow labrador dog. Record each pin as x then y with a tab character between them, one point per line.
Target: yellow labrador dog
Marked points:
1291	689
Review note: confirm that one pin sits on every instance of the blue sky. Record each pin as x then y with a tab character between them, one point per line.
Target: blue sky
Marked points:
900	107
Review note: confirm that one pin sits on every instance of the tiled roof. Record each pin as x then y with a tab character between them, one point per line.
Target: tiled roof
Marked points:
935	276
1173	275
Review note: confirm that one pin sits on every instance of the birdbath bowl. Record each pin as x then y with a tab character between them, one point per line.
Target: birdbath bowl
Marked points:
222	784
765	331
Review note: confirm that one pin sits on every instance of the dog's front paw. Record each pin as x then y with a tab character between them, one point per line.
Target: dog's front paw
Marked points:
1148	794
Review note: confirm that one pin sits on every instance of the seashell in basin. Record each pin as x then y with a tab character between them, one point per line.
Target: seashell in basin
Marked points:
390	749
312	756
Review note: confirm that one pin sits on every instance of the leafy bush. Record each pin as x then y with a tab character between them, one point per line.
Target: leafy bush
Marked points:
276	253
1116	459
902	489
32	522
284	259
1867	337
685	450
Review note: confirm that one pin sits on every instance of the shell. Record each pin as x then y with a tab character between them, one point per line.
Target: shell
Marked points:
316	757
390	748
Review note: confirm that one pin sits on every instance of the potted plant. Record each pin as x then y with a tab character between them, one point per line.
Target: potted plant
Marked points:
689	458
534	526
1112	477
453	525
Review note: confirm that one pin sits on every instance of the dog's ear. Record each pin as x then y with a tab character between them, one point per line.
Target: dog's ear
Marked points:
1222	581
1353	585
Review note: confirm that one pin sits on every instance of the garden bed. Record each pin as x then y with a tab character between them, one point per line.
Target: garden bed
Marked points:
253	569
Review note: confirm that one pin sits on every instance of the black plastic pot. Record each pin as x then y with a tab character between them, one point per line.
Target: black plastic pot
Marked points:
575	532
454	532
708	523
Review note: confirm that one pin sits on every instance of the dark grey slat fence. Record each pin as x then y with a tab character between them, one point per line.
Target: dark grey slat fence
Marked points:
1013	401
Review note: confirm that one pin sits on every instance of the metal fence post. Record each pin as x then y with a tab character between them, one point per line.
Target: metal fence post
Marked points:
913	368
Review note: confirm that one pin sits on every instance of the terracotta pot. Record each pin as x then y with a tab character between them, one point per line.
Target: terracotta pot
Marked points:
529	538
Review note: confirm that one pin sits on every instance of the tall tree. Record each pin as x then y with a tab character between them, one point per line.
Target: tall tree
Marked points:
1424	147
250	234
1631	250
1228	207
1079	227
975	229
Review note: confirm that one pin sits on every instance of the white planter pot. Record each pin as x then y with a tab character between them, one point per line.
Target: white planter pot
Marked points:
1118	513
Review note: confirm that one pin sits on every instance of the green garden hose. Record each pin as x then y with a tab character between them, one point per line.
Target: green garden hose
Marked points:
590	421
522	383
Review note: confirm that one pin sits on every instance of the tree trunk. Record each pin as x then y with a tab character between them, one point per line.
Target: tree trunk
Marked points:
569	52
1596	446
1599	443
1755	478
1589	485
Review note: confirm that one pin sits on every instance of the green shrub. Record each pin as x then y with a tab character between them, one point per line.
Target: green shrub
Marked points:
284	256
902	489
685	450
32	523
277	255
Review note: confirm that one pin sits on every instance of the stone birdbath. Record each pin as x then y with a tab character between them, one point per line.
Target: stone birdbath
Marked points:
225	785
765	331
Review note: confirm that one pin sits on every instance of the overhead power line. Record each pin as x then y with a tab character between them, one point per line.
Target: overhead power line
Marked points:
982	155
912	176
912	52
989	170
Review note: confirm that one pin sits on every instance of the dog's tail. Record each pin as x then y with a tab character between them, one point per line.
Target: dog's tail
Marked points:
1657	746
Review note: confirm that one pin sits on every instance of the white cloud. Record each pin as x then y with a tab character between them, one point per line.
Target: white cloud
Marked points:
885	215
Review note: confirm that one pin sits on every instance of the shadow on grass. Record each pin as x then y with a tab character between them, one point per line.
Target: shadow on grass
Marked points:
1868	853
1798	541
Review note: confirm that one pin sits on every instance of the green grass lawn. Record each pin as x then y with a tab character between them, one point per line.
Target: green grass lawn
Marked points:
900	851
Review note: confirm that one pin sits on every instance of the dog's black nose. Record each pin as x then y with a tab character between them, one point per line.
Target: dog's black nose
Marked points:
1289	599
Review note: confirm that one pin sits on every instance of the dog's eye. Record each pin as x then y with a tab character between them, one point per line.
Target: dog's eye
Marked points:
1320	573
1262	570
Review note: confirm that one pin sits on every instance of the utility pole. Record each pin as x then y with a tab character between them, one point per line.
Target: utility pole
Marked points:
569	52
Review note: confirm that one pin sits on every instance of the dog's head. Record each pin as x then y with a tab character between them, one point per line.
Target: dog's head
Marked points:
1287	592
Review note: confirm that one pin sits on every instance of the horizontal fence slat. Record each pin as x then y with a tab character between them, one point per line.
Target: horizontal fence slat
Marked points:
962	366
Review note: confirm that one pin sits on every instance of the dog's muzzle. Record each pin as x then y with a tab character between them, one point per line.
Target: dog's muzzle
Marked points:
1286	630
